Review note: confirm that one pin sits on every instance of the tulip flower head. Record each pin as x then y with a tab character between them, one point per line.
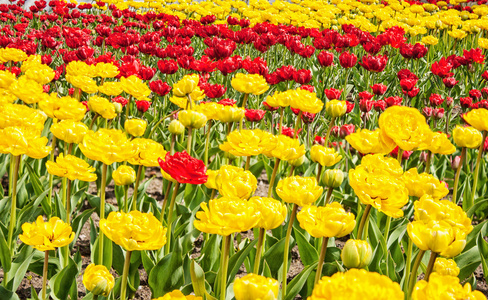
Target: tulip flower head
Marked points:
326	221
45	236
98	280
299	190
252	286
71	167
184	168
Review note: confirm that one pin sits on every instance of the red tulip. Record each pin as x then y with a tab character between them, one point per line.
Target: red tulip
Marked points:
374	64
254	115
449	82
380	105
348	60
435	100
325	58
143	105
159	87
184	168
408	84
395	100
332	93
379	89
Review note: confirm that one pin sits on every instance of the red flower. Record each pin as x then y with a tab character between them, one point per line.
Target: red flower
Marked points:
307	117
121	100
412	93
254	115
395	100
325	58
406	74
319	140
184	168
365	95
436	100
309	88
229	64
365	105
270	108
449	82
143	105
380	105
348	60
290	132
160	87
438	113
256	66
449	101
214	90
167	66
374	64
485	75
379	89
346	130
408	84
427	111
474	55
466	102
227	102
475	94
442	68
350	106
333	93
405	154
302	76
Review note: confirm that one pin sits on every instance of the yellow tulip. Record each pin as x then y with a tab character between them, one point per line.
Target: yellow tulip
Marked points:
134	86
27	90
124	175
299	190
192	119
366	141
443	286
102	106
107	146
111	88
249	84
135	127
147	153
422	184
98	280
178	295
444	266
356	254
71	167
12	54
64	108
332	178
336	108
468	137
438	143
273	212
175	127
235	182
69	131
326	157
326	221
306	101
229	114
18	141
134	231
106	70
41	74
253	287
6	79
286	148
186	85
248	142
46	236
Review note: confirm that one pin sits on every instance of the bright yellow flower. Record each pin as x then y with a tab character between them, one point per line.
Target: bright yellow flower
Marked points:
286	148
107	146
422	184
332	178
406	126
102	106
444	287
209	109
106	70
186	85
444	266
27	90
182	102
135	127
71	167
326	157
336	108
80	68
134	86
178	295
273	212
249	84
12	54
192	119
234	182
21	140
468	137
32	61
356	284
326	221
306	101
356	254
366	141
458	34
299	190
197	94
438	143
124	175
248	142
378	164
225	216
45	236
6	97
483	43
211	180
18	115
111	88
134	231
6	79
430	40
41	74
282	99
84	83
230	114
69	131
254	287
64	108
98	280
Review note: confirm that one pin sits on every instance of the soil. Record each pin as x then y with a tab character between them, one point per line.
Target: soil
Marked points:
155	190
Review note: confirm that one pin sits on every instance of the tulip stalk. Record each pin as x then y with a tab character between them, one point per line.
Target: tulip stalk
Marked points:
170	218
126	198
207	142
273	177
259	250
44	274
319	172
458	173
102	213
286	251
13	206
476	172
320	265
224	265
51	177
165	200
282	110
136	188
244	102
427	162
430	265
413	272
248	163
363	222
408	264
331	124
188	145
329	195
125	274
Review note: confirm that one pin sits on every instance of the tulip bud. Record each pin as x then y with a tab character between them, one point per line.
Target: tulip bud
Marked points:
455	162
332	178
118	107
98	280
423	156
124	175
135	127
445	266
175	127
297	162
336	108
192	119
356	254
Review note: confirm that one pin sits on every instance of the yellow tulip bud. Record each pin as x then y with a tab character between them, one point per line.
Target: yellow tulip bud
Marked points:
468	137
175	127
356	254
332	178
230	114
252	287
192	119
336	108
186	85
98	280
444	266
135	127
124	175
297	162
118	107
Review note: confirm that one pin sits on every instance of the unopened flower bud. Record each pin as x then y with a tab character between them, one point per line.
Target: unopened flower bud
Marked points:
135	127
336	108
118	107
124	175
332	178
356	254
297	162
455	162
192	119
175	127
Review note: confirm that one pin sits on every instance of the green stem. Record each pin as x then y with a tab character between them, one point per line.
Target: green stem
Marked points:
297	125
44	274
11	173
413	272
476	171
281	119
364	219
345	84
165	200
427	162
387	232
406	281
102	213
136	188
159	122
244	102
188	145
126	198
170	218
13	207
51	177
207	142
430	266
224	266
286	252
400	156
125	274
329	195
331	124
458	173
273	176
319	173
323	251
248	162
259	250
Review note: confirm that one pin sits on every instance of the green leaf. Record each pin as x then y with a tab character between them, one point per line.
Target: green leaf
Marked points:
237	259
78	222
308	253
296	285
107	252
167	275
5	258
483	247
197	278
64	280
7	295
274	255
20	266
468	262
211	253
